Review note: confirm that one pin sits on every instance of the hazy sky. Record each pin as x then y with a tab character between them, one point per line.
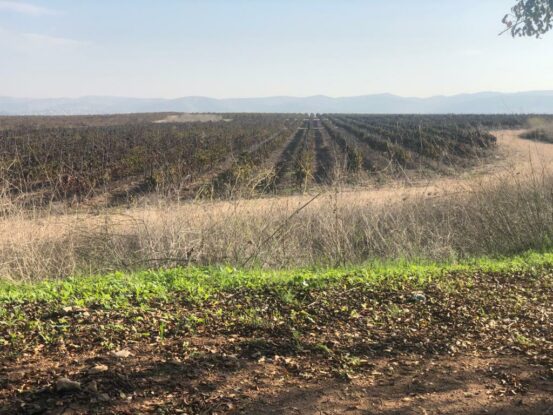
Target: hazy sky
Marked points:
238	48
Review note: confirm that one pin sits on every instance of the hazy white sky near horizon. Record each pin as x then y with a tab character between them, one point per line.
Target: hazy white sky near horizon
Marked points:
251	48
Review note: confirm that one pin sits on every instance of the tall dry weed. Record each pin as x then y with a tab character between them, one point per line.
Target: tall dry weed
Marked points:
496	217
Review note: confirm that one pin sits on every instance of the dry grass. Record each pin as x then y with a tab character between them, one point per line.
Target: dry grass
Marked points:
498	218
507	210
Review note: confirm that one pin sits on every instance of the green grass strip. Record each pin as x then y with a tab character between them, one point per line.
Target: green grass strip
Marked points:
199	283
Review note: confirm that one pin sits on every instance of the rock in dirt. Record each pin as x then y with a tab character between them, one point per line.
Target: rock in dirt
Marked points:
418	297
92	387
121	353
73	309
104	397
98	369
67	385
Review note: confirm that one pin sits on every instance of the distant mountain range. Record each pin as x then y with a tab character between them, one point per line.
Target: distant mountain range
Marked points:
480	103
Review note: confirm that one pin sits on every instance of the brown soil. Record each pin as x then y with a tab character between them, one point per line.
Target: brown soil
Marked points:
480	344
148	381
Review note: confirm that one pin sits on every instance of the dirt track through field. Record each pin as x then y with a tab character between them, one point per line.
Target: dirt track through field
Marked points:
323	173
285	165
527	155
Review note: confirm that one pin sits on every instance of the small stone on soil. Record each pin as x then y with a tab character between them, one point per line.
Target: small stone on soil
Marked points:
121	353
98	369
92	387
67	385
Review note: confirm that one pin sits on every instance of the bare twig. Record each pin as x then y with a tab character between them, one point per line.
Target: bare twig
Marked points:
282	225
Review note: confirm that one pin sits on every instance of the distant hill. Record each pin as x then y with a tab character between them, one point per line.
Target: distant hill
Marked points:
481	103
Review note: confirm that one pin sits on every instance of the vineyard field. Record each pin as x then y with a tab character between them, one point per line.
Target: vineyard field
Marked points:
119	157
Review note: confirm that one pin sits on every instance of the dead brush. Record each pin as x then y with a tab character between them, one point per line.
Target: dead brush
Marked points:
490	217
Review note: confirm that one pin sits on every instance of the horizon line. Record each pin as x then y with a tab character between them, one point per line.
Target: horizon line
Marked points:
280	96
